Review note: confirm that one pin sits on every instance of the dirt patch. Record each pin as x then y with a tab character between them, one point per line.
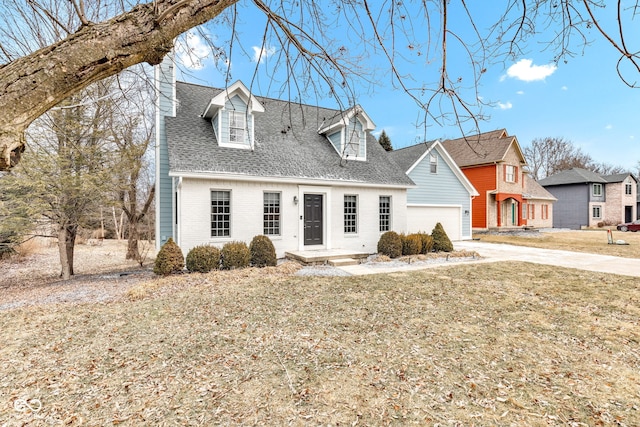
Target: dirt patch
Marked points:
102	274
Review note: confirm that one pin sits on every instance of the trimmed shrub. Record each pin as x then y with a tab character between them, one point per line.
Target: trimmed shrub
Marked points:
203	259
263	253
411	244
169	259
390	244
441	242
235	255
427	243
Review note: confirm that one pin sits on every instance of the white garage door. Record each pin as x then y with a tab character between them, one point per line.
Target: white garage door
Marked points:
424	218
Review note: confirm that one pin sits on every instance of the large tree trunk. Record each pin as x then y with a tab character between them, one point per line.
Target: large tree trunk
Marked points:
66	246
31	85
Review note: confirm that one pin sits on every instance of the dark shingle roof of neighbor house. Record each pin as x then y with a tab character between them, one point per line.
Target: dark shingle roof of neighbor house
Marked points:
407	156
617	177
485	148
287	144
572	176
533	190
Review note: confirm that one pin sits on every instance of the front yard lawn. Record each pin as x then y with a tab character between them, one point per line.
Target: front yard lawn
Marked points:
481	344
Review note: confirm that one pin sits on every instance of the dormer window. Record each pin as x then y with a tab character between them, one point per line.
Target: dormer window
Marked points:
232	114
347	132
237	127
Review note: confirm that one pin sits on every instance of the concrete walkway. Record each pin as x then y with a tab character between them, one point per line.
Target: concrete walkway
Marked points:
492	252
579	260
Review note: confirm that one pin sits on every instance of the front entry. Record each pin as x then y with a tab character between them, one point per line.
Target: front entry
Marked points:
313	231
628	213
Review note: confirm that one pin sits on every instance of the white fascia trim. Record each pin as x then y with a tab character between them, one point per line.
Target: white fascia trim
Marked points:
297	181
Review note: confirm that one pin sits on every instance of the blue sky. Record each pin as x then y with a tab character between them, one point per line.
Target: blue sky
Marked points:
582	100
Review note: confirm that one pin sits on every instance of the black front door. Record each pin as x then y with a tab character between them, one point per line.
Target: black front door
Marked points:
313	219
628	213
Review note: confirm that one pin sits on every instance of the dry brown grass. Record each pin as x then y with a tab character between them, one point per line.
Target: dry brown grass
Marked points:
484	344
591	241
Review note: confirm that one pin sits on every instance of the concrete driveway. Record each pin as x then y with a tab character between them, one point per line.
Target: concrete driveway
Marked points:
579	260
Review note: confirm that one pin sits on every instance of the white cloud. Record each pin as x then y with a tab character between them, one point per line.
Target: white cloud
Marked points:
192	50
261	53
506	106
608	127
564	88
520	92
525	70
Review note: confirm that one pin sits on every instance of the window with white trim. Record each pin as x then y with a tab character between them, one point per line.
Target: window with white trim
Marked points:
271	214
510	173
433	163
350	214
385	213
220	213
532	211
597	190
237	127
596	212
628	190
525	208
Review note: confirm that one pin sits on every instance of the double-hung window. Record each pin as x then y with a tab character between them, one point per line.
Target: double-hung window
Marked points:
597	190
350	214
385	213
433	163
271	212
596	212
236	126
628	190
510	173
220	213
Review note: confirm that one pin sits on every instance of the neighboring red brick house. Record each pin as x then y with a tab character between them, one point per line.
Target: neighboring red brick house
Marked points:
493	162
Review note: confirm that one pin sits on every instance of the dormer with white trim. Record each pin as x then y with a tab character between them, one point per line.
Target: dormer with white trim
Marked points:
347	133
232	116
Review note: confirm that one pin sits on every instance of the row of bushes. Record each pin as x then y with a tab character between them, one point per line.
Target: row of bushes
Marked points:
394	245
204	258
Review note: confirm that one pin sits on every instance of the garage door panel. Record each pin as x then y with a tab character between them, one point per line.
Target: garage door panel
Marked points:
424	218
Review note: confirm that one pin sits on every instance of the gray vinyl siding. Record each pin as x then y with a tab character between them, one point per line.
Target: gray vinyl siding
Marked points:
442	188
164	192
572	208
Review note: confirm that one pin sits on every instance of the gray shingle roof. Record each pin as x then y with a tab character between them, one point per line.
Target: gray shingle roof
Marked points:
572	176
287	144
617	177
406	157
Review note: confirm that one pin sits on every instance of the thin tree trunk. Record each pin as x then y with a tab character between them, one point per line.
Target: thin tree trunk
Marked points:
133	237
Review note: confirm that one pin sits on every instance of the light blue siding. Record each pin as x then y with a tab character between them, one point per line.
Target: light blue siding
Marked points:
441	188
165	104
335	141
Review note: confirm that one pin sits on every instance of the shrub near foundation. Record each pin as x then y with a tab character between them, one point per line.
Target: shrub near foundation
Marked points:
263	253
203	259
427	243
390	244
235	255
169	260
441	242
411	244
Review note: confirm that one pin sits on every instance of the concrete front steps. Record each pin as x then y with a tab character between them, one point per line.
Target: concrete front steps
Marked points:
334	257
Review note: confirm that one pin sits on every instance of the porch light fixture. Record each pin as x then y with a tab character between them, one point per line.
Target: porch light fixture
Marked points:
295	200
466	212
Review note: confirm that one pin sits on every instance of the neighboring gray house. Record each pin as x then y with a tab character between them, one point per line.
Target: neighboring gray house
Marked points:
442	193
586	199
